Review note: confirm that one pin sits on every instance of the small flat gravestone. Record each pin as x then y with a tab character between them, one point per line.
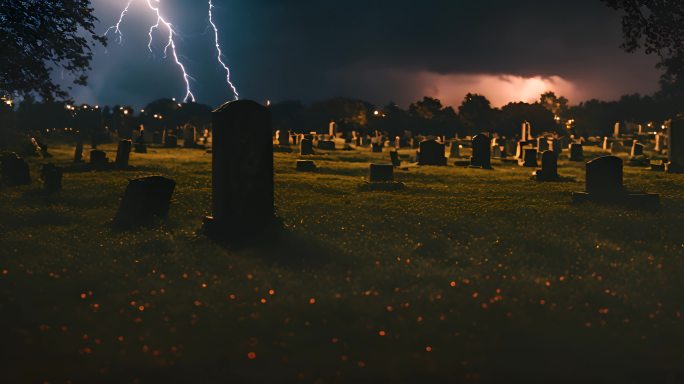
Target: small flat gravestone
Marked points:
51	175
328	145
123	154
529	158
431	152
306	166
482	156
394	156
549	169
243	208
604	185
15	170
454	150
306	147
576	152
98	158
144	199
381	178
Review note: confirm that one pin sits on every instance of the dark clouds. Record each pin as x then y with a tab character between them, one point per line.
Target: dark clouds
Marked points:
379	50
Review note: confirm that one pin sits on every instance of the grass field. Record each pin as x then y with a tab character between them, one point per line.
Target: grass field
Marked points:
464	276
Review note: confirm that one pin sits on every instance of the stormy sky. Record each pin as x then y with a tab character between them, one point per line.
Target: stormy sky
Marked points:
376	50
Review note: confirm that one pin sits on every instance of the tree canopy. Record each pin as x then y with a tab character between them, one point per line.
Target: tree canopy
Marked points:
38	37
656	27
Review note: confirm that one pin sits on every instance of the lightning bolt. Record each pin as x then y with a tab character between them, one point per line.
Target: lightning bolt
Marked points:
170	44
116	27
219	53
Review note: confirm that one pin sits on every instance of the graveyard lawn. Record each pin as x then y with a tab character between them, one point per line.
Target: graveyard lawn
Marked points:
464	275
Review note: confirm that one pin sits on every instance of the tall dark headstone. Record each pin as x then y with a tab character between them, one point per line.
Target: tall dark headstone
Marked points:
145	198
675	142
454	150
431	152
78	152
542	144
381	173
576	152
482	156
394	156
637	149
529	158
242	172
306	147
123	154
284	138
549	167
376	147
98	158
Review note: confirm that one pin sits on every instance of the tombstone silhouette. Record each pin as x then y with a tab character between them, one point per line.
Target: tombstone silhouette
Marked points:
549	170
306	147
123	153
51	176
576	152
482	157
637	149
529	158
604	176
242	171
675	145
145	198
394	156
14	169
431	153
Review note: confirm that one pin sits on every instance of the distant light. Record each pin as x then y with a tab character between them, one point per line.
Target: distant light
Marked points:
179	105
376	112
268	103
125	111
142	111
173	99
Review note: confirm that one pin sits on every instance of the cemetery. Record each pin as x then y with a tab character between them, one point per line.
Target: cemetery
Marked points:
341	192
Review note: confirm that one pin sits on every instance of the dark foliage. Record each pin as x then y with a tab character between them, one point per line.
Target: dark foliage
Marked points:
38	37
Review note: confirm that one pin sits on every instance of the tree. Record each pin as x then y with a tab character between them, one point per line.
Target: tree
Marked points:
558	105
38	37
476	113
656	27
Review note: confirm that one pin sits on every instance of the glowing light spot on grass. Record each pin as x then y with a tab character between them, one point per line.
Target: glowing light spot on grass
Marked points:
453	284
232	296
120	339
382	333
251	355
475	295
312	301
5	272
361	364
141	308
263	301
271	292
390	308
428	349
83	296
204	285
334	340
603	311
197	303
542	302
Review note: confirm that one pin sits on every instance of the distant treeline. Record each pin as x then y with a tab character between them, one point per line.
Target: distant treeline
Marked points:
428	116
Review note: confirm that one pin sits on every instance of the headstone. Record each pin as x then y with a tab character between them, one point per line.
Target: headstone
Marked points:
576	152
675	153
328	145
604	176
284	138
616	130
606	144
170	141
455	150
637	149
51	176
529	158
381	173
556	145
376	147
521	149
145	198
242	172
332	129
140	148
306	147
157	138
542	144
482	157
394	156
659	143
15	170
306	166
123	154
526	133
189	136
549	167
78	152
98	158
431	153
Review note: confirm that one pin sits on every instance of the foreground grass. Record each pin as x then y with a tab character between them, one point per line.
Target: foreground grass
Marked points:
466	275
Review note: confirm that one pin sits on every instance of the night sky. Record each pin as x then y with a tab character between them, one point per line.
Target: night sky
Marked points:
377	50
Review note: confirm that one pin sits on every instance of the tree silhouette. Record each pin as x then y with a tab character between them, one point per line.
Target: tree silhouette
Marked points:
656	27
38	37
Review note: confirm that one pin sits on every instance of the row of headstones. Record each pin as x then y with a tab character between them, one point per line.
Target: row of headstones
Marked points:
15	171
